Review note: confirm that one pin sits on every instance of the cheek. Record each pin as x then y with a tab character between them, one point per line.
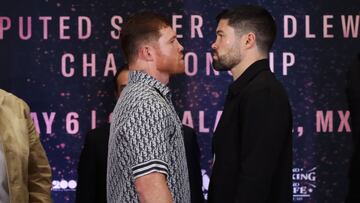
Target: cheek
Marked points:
227	44
222	47
167	52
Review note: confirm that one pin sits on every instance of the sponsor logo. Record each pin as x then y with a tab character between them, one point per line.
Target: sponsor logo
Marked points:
304	183
63	185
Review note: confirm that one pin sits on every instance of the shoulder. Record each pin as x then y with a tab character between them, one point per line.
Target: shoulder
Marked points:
265	84
100	132
141	97
13	103
142	91
139	106
97	139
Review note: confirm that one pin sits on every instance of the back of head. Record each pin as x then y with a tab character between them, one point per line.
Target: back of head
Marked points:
247	18
140	28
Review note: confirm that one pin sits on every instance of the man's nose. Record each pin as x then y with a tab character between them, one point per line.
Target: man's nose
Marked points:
213	45
181	48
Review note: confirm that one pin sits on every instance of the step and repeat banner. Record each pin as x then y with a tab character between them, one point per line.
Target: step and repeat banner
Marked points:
61	57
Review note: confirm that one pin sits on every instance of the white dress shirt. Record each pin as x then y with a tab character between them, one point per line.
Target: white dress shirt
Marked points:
4	189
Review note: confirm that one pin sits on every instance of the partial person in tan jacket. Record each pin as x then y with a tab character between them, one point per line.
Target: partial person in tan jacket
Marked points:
25	174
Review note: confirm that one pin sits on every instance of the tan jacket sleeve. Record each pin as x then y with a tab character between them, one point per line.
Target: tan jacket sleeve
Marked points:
39	182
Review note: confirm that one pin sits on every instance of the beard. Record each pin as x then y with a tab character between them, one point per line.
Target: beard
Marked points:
180	68
171	66
219	65
226	61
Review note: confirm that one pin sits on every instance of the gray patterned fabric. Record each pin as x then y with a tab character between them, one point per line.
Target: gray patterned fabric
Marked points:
145	136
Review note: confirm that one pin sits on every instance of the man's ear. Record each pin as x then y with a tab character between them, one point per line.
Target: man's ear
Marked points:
146	53
250	40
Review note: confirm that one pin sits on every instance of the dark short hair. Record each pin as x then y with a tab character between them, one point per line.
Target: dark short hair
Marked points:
248	18
124	67
142	27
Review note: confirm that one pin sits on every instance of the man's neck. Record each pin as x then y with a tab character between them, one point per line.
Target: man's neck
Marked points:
241	67
162	77
152	71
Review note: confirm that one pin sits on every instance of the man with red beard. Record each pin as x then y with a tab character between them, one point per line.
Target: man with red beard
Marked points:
253	142
146	155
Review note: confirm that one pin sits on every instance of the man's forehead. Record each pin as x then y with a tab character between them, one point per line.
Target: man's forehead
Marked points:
223	24
167	32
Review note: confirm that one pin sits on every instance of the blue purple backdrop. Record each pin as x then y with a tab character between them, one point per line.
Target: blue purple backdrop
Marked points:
60	58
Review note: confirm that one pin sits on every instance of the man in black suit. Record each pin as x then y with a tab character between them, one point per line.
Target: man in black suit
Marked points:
253	142
91	185
353	96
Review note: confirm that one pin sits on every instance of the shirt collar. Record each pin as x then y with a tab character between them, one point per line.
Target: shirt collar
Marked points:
245	78
142	77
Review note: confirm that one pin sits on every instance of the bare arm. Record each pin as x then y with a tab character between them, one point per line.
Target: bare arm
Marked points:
153	188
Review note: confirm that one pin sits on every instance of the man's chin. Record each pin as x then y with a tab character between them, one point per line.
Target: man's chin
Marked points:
219	66
179	70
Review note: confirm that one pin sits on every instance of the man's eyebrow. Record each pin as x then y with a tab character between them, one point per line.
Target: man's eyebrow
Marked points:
172	38
219	32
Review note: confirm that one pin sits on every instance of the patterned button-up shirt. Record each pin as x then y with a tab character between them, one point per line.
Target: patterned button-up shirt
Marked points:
145	137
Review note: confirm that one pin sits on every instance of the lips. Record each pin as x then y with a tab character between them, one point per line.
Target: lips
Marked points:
215	56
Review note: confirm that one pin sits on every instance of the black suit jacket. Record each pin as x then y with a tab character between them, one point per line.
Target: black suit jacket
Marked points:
193	162
253	141
353	95
91	185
